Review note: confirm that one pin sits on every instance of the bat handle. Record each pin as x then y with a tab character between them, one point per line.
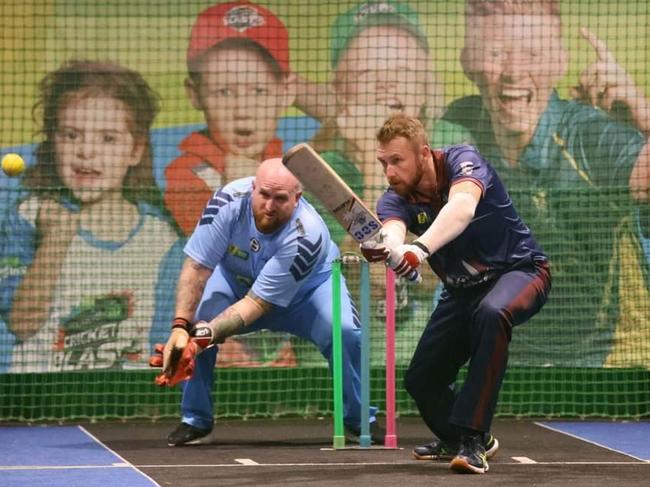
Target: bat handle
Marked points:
414	276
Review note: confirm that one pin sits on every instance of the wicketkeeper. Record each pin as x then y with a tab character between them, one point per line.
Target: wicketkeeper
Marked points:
259	258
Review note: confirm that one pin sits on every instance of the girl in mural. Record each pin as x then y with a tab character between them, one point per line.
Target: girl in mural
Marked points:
90	243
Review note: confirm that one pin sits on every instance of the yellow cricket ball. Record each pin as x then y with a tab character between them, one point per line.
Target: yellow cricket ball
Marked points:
13	164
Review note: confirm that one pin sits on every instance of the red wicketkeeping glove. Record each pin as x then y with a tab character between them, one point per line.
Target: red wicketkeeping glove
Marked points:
181	364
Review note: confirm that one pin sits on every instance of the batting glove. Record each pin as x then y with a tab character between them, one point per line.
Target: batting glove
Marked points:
374	250
408	257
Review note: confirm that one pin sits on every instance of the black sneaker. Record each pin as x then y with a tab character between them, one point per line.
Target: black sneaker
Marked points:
471	456
186	434
439	450
491	445
436	450
377	433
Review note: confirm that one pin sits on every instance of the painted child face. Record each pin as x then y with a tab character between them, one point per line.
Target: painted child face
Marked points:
384	66
515	61
94	146
241	98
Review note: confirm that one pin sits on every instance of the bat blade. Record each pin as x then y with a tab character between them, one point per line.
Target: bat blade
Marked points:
335	195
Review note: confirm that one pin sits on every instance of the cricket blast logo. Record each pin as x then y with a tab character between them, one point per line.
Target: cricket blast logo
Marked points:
242	18
372	8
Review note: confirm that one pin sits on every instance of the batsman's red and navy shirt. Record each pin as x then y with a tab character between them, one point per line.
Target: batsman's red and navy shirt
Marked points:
495	241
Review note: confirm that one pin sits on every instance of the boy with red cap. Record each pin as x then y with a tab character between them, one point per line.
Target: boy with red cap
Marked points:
239	77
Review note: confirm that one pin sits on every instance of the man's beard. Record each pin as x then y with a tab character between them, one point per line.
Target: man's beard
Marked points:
267	224
408	189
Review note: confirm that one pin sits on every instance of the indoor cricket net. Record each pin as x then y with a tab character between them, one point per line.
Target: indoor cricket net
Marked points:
89	259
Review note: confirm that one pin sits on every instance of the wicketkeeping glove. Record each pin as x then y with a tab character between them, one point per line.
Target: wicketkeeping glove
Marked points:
181	359
178	362
181	364
156	360
203	336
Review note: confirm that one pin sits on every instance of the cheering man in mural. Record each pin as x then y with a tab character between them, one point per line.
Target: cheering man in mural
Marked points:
572	171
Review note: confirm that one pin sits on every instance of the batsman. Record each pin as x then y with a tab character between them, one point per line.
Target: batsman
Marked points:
259	258
495	275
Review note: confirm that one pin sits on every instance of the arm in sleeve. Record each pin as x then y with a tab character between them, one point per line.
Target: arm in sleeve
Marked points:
454	216
469	176
601	150
209	242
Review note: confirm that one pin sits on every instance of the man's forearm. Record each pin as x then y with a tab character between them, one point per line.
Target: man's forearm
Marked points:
451	221
191	284
234	319
226	324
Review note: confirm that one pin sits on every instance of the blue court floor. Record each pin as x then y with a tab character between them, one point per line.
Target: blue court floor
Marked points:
628	438
62	456
297	452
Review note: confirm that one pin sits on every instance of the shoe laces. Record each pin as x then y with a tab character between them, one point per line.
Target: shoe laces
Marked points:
472	443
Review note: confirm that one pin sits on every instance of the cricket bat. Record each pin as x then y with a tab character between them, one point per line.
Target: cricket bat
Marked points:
336	196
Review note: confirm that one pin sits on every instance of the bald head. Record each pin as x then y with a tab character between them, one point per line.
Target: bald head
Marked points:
274	172
276	193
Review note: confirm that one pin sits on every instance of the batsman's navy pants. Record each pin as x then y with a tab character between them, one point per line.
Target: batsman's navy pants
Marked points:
473	324
310	319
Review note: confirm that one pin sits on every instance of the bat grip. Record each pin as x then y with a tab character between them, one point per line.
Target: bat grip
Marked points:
413	276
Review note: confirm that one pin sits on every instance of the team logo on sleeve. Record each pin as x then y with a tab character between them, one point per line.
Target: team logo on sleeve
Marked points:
300	227
307	257
212	208
466	168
